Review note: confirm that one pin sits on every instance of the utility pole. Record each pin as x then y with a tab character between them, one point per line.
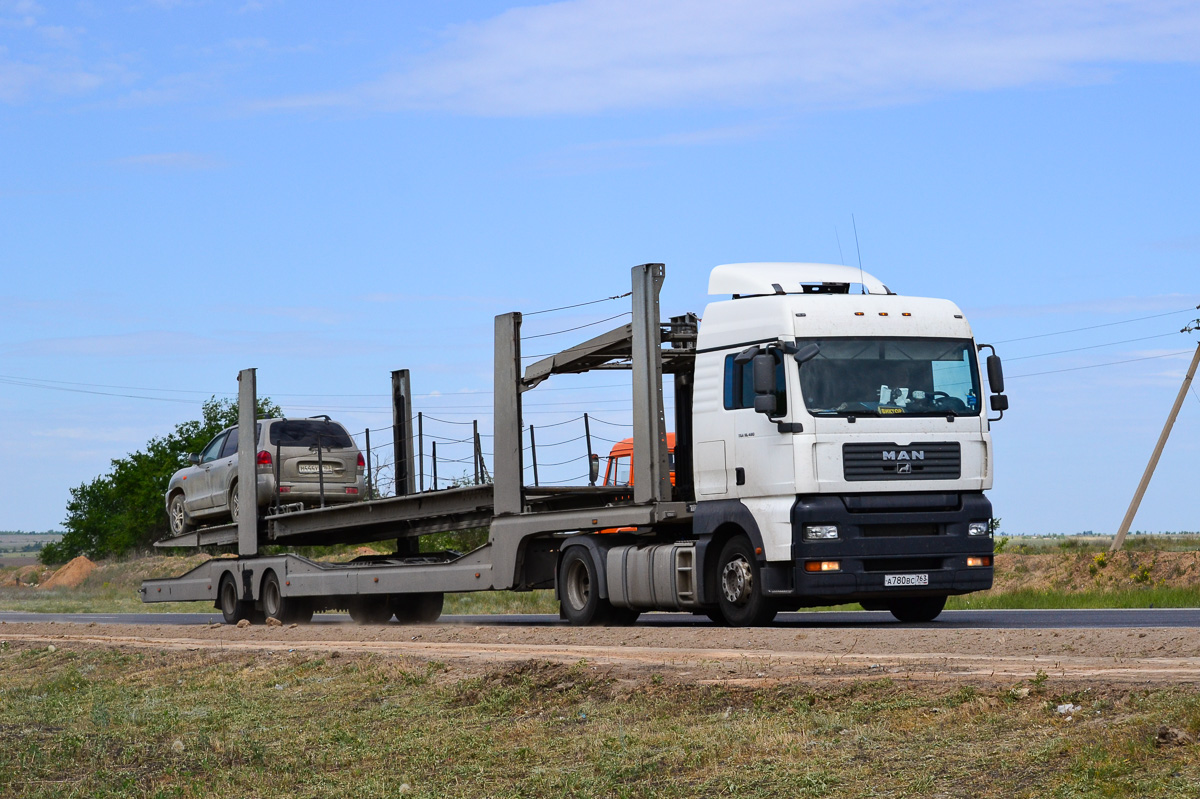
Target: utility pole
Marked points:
1119	541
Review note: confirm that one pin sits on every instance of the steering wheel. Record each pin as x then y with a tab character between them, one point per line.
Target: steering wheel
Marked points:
944	400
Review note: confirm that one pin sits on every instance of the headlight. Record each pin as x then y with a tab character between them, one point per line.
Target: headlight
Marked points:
820	531
977	528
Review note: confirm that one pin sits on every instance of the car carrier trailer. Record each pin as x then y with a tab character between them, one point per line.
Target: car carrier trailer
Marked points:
776	503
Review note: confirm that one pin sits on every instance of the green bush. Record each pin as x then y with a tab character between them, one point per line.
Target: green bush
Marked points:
124	510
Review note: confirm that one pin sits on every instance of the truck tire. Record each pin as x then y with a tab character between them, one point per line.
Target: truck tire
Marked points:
739	586
917	608
579	589
232	609
178	517
370	610
288	609
417	608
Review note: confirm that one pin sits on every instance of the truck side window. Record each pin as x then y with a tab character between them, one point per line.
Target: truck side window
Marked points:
739	386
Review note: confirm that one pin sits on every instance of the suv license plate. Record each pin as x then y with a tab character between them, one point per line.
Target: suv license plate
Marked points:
312	468
899	580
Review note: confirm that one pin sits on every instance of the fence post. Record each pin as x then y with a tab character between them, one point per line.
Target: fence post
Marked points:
533	454
421	446
475	447
370	493
587	432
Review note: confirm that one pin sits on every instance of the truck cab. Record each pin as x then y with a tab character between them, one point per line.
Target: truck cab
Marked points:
844	434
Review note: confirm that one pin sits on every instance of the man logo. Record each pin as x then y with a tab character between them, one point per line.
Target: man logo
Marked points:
904	455
904	468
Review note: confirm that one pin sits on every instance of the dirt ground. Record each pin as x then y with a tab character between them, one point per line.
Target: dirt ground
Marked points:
985	658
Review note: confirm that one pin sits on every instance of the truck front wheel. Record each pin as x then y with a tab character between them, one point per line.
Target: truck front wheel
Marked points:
917	608
739	586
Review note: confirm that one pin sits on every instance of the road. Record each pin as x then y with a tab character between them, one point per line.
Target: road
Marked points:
949	620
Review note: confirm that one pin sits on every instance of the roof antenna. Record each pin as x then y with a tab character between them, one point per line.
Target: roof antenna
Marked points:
841	258
862	285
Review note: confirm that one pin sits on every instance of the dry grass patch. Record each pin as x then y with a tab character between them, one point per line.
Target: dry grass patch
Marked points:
108	724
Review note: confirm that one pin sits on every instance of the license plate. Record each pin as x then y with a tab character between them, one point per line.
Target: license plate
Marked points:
312	468
901	580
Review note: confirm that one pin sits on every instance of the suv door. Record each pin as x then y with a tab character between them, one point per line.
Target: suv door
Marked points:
224	470
198	496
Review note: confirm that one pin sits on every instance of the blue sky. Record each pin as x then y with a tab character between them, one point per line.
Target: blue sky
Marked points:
331	192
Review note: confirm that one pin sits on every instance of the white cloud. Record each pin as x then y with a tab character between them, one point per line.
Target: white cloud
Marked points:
592	56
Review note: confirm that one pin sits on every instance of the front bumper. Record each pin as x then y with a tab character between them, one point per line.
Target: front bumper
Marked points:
881	535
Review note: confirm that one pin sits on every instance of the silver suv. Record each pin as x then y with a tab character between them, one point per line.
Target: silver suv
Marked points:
207	490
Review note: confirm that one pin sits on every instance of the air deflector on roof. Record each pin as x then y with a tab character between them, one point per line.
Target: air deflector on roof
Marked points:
793	278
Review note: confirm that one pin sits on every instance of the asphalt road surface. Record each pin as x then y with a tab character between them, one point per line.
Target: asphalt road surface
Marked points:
951	619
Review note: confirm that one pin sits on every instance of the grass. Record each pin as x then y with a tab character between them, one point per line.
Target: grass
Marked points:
1147	597
112	724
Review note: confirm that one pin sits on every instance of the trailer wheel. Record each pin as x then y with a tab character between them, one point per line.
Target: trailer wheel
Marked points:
370	610
417	608
579	589
289	610
232	610
739	586
917	608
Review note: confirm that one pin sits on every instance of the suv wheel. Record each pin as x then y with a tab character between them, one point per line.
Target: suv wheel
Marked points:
177	515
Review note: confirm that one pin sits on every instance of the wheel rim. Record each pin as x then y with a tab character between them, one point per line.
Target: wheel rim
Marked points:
737	581
579	585
177	515
233	504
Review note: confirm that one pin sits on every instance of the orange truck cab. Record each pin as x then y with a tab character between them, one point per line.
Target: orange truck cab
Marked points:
619	469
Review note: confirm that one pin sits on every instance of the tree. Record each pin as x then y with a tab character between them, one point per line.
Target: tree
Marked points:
124	509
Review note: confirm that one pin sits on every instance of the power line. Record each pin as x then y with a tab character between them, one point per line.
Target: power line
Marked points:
1094	327
578	304
578	327
1091	347
1097	365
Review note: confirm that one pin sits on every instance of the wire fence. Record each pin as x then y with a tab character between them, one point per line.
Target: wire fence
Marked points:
442	461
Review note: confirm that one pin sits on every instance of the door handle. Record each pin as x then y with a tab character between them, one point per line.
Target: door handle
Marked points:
739	476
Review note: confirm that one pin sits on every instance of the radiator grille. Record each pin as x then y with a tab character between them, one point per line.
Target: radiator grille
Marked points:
934	460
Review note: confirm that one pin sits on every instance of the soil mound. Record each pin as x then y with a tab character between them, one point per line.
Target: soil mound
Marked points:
71	575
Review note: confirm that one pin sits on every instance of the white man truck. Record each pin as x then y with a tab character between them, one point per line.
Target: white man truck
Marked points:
832	446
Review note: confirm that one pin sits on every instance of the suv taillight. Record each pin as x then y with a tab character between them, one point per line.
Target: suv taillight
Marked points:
361	462
264	458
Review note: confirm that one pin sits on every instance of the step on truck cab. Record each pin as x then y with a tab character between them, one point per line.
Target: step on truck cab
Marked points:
830	446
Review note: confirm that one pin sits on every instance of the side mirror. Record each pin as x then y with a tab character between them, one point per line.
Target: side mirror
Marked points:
764	374
995	373
764	384
194	459
593	468
807	352
999	403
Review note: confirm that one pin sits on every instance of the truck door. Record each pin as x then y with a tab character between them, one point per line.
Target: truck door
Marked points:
763	463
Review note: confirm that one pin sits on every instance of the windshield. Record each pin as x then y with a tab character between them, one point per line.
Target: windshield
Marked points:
891	376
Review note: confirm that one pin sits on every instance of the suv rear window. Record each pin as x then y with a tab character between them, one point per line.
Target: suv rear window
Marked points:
304	432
